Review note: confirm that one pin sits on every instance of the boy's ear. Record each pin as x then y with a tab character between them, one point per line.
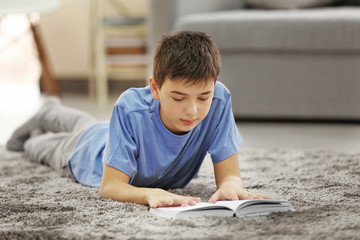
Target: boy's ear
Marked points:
154	88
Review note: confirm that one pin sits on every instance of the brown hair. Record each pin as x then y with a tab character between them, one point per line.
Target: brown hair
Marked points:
186	55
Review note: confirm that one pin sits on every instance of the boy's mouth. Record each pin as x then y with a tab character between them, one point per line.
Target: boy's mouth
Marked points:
188	122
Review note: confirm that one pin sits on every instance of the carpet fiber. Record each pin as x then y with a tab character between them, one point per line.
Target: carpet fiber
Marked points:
323	186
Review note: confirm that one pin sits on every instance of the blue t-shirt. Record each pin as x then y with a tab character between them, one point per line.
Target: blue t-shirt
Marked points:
137	143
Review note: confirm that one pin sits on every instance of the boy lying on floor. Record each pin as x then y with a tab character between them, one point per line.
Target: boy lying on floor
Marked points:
157	136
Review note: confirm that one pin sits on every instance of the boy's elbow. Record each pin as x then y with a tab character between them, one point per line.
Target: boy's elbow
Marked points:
111	190
101	192
105	191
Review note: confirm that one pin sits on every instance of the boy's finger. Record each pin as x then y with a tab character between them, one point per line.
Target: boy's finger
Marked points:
152	204
195	200
185	203
245	195
165	202
190	201
232	196
182	201
214	198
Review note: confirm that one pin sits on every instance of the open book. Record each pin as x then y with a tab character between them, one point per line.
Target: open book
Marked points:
238	208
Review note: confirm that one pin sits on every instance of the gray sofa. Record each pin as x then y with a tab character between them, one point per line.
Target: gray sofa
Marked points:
278	64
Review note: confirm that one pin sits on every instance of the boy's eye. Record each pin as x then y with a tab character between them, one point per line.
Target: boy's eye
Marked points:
178	99
203	99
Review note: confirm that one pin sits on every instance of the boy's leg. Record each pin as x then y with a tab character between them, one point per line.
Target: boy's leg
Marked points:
60	118
22	133
51	149
52	117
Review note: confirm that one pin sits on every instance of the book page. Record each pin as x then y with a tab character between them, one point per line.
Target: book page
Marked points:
200	209
233	205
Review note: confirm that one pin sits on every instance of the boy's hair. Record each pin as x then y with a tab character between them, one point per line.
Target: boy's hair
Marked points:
186	55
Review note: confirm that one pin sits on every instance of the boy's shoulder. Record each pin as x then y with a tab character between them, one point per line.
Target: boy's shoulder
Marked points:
221	92
135	99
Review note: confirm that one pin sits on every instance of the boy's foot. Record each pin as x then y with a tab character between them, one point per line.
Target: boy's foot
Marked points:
20	135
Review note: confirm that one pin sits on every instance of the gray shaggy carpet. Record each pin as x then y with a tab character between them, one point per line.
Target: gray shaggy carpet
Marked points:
323	186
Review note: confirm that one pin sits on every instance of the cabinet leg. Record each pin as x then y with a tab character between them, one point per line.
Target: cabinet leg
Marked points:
47	81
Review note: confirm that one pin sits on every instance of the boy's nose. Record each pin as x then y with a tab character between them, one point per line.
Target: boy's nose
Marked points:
191	109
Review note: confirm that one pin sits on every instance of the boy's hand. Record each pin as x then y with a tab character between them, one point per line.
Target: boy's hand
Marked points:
229	183
233	190
161	198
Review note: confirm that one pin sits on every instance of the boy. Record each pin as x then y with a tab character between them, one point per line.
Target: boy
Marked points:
157	137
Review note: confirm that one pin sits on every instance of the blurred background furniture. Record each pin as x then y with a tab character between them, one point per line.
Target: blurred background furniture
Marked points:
33	9
301	64
118	47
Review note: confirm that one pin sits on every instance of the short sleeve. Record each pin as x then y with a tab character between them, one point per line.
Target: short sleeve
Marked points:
226	139
121	150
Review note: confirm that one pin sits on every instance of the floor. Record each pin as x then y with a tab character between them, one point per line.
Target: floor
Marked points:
20	98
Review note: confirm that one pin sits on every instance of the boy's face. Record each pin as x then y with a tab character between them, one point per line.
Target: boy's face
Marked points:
182	106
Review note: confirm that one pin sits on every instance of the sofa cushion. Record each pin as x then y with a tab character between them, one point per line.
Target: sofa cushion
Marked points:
287	4
325	29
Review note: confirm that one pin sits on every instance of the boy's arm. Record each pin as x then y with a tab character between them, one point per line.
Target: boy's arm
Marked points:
229	183
115	185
